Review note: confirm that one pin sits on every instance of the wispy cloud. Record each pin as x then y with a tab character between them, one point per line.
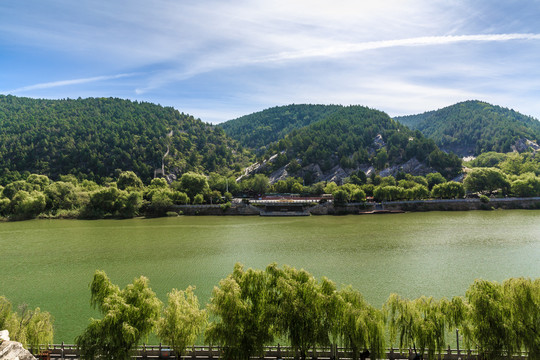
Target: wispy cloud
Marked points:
54	84
335	51
339	50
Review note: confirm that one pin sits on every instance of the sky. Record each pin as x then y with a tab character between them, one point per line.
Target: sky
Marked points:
218	59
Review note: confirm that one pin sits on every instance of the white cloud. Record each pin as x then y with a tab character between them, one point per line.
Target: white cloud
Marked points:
60	83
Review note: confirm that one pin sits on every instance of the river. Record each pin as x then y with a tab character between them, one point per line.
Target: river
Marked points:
49	263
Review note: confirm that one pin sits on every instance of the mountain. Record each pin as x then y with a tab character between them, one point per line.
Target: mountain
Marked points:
353	138
259	129
93	137
475	127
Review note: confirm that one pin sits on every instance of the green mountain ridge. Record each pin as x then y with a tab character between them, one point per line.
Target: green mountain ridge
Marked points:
92	138
354	138
261	128
474	127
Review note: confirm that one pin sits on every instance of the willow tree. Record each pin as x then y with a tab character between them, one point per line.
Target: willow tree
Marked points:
182	321
128	315
490	330
306	311
27	326
32	327
523	313
421	323
361	325
241	306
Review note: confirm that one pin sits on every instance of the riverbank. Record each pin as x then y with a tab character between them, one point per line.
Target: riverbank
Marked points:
330	208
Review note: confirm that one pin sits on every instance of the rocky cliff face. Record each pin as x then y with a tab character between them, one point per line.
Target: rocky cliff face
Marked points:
12	350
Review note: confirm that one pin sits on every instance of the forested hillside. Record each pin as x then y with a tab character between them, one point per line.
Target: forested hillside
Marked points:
91	138
357	135
264	127
474	127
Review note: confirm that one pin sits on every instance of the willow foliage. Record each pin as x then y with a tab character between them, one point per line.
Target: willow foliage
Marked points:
361	325
305	309
128	316
241	304
505	318
420	323
27	326
182	321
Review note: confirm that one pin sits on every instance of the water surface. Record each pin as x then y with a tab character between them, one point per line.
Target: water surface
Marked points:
49	263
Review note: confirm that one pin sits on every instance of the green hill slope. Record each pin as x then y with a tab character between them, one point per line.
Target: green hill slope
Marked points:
264	127
94	137
355	136
474	127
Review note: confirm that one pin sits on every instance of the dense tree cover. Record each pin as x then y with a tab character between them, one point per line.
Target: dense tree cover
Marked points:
259	129
125	198
486	180
513	173
347	137
29	327
90	138
474	127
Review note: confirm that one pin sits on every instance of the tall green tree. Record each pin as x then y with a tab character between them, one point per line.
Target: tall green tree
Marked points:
361	325
419	323
243	314
486	180
182	321
305	309
193	184
490	330
129	315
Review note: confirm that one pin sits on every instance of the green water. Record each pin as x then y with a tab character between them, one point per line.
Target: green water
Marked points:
49	263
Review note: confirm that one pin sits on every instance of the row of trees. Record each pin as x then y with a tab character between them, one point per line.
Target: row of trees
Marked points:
27	326
126	196
253	308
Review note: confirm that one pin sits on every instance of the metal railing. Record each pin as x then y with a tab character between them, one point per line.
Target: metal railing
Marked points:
69	351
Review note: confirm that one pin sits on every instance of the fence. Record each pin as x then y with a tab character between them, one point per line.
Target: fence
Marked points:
64	351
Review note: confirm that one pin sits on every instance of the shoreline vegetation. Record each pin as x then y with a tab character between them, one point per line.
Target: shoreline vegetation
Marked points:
509	186
36	196
250	309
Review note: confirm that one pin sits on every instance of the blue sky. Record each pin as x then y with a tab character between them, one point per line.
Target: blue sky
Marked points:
218	60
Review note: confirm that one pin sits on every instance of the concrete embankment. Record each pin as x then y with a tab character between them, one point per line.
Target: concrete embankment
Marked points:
234	209
367	208
435	205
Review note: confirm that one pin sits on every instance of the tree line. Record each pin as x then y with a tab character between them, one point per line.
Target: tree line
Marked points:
126	196
252	308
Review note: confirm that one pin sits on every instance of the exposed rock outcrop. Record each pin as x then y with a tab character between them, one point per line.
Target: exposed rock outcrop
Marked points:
523	145
12	350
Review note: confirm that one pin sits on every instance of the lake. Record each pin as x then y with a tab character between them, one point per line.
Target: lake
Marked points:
50	263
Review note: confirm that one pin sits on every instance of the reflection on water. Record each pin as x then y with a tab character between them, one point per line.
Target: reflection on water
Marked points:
50	263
